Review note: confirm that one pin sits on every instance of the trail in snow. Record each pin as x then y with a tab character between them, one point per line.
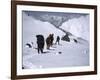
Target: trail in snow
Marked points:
72	54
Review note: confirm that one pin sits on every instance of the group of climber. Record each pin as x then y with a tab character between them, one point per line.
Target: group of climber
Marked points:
49	42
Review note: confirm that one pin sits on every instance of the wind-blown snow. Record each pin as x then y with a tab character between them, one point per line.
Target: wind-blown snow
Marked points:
72	54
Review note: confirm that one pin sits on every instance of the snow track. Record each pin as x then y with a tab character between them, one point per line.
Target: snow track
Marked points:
72	54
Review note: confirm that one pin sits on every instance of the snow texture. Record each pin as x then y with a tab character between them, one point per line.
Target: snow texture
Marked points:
78	26
67	54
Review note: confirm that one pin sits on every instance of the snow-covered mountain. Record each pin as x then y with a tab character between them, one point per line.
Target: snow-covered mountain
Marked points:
79	27
66	54
55	18
71	23
33	27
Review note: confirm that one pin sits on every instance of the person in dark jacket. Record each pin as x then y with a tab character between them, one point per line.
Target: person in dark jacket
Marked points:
57	40
40	43
51	39
48	41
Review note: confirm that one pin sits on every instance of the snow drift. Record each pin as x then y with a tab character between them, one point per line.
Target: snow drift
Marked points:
79	27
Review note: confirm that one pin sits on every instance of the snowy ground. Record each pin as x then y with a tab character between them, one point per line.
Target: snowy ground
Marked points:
72	54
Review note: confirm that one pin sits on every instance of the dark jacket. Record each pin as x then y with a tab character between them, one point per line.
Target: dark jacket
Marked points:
40	39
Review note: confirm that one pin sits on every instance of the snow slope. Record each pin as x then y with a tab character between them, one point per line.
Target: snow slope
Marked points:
78	26
71	54
33	27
